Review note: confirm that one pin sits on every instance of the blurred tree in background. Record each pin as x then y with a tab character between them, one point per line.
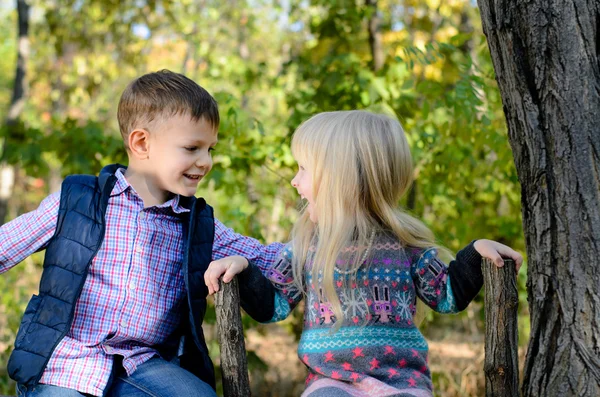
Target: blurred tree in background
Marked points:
270	65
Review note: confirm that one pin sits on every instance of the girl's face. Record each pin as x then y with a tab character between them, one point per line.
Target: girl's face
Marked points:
304	185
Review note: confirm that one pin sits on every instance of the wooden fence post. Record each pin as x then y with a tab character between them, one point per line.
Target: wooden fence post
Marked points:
230	334
501	335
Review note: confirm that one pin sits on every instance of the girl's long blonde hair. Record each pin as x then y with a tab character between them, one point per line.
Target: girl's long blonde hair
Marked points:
361	165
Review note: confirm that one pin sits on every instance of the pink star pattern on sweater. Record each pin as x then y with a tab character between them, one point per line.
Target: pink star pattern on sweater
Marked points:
358	352
392	372
366	350
329	356
374	363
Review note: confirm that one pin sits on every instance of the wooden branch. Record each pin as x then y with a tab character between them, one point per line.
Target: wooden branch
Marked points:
230	334
374	25
501	338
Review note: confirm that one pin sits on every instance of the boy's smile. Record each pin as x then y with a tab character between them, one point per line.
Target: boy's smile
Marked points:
176	156
180	154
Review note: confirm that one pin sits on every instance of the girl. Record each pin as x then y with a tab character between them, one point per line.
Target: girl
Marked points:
361	262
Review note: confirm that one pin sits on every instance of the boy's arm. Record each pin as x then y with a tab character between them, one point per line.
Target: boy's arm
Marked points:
28	233
448	289
257	294
229	243
267	298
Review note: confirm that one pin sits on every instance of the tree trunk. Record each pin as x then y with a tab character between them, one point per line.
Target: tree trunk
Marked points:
501	332
230	334
243	49
546	57
375	36
7	172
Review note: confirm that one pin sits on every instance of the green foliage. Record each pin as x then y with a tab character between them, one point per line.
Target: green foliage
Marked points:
7	59
270	66
453	120
79	149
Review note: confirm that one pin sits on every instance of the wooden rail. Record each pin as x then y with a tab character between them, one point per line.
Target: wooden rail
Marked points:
501	365
230	334
501	337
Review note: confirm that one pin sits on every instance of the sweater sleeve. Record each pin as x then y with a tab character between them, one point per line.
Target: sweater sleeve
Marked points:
257	294
271	297
287	295
447	288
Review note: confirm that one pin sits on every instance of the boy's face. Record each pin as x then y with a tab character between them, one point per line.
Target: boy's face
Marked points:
179	154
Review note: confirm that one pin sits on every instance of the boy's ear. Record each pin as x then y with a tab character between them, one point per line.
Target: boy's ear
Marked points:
139	143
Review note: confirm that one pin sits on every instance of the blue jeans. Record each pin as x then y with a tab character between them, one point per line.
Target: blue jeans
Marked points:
154	378
42	390
160	378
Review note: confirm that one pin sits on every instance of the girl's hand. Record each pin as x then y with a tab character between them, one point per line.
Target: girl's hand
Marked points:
495	251
230	265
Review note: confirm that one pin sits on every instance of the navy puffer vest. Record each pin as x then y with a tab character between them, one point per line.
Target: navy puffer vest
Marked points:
78	237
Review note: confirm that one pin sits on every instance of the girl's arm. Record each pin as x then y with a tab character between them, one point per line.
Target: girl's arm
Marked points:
450	289
257	294
265	298
287	295
447	288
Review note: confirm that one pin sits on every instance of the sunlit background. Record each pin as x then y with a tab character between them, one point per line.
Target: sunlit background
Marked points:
270	65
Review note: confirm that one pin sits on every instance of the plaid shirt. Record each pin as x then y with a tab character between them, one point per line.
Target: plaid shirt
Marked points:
134	286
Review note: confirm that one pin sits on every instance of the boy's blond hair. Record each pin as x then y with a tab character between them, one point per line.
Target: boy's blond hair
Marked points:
159	95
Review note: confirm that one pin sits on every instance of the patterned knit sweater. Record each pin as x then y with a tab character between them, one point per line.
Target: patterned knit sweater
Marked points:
378	350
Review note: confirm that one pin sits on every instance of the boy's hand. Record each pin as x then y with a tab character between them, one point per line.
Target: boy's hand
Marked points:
496	251
230	265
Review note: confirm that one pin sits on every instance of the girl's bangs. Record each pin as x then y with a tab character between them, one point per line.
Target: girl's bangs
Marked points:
303	144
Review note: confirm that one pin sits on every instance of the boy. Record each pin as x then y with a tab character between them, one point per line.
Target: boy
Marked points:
122	291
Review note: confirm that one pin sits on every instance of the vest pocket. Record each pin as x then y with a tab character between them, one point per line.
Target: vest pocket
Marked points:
30	311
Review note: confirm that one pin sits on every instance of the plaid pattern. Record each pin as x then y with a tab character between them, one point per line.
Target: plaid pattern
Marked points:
134	286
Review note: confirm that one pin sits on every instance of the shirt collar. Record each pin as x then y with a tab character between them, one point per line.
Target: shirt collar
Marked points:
175	205
122	185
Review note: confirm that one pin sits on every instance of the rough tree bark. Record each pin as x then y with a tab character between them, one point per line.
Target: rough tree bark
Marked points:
546	57
17	102
230	334
501	332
